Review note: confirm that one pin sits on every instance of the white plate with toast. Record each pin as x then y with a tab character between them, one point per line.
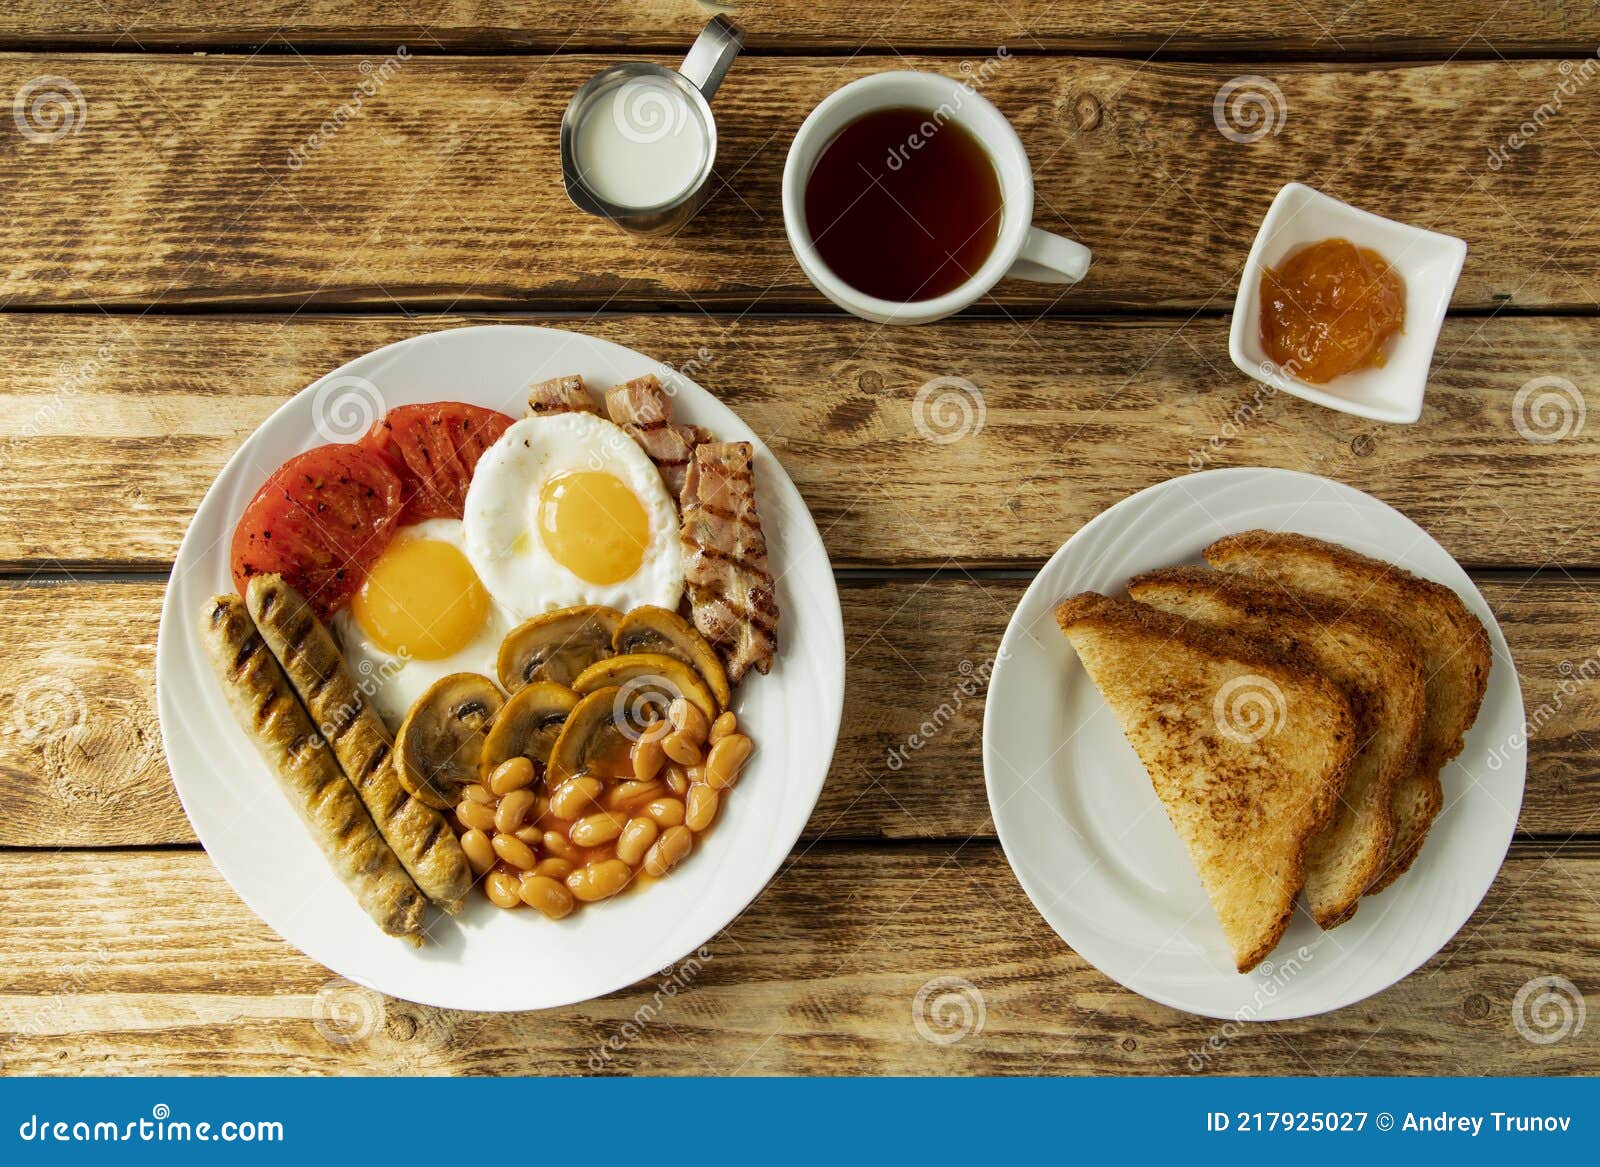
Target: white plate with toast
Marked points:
1094	846
486	958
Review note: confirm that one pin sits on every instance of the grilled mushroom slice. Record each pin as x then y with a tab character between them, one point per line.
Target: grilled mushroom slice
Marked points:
556	646
441	739
528	725
596	738
651	629
650	680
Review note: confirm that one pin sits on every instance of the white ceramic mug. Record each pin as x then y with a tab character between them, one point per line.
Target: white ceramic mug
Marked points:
1021	251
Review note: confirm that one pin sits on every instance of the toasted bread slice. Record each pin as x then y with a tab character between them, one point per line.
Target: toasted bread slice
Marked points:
1379	670
1454	647
1247	749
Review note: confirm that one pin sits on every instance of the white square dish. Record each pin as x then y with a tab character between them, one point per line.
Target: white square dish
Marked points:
1428	262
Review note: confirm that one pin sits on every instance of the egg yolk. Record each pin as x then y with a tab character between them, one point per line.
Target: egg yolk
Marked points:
593	525
421	599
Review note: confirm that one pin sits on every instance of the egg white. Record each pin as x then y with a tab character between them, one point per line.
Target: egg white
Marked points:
503	541
394	684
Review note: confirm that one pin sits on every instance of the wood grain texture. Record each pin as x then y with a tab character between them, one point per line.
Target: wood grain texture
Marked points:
81	762
130	419
112	969
441	188
1324	26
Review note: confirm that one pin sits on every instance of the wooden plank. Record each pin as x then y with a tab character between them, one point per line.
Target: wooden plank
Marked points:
111	969
275	179
1132	26
81	762
130	420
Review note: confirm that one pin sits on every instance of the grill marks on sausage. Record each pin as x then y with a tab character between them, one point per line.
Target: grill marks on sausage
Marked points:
299	659
268	710
253	665
435	828
378	759
732	594
360	743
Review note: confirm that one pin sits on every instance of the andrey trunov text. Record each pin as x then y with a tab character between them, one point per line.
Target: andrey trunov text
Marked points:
1498	1122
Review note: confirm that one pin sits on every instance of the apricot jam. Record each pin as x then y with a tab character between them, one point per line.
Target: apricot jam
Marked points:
1329	309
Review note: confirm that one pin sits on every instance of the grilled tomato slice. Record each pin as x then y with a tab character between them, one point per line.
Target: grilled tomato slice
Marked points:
435	448
320	521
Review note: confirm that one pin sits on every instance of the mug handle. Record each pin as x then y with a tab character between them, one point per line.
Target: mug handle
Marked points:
712	54
1050	259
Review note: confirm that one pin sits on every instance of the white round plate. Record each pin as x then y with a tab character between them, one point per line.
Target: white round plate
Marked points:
1091	843
487	958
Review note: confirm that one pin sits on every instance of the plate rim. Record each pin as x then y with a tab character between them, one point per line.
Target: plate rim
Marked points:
831	711
1015	629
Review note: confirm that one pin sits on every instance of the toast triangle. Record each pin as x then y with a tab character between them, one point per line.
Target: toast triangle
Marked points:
1377	667
1247	750
1452	641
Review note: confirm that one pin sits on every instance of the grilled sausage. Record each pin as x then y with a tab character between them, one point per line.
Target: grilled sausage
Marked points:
419	835
266	707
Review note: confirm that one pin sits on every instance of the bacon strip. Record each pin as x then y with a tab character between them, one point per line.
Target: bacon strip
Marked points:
731	589
643	409
560	395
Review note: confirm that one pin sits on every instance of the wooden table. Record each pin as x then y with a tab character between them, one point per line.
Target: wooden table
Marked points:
168	278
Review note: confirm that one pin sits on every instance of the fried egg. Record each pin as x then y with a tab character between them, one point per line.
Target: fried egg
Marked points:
567	509
420	614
